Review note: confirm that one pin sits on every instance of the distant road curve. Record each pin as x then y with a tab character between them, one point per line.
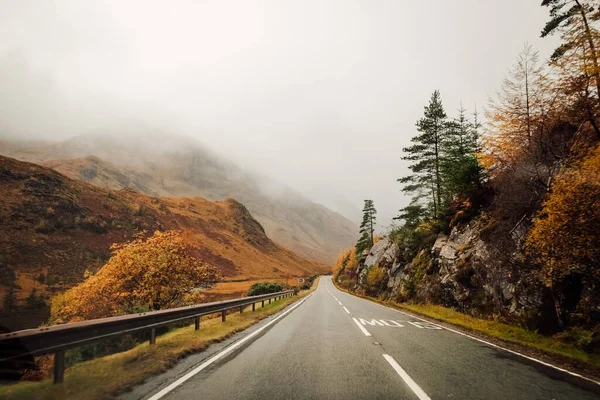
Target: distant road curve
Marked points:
332	345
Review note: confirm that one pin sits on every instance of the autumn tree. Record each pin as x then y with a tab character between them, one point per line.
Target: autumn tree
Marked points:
345	260
577	56
564	238
514	113
425	156
155	273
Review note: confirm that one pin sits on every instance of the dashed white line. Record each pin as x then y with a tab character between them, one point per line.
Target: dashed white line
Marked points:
409	381
362	328
346	310
237	344
493	345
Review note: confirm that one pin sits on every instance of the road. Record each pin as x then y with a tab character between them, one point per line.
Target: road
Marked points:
333	345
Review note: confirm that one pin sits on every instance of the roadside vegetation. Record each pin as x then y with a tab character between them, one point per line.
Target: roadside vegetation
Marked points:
571	345
107	376
523	188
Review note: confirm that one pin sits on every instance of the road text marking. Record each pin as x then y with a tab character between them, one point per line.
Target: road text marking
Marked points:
494	345
409	381
362	328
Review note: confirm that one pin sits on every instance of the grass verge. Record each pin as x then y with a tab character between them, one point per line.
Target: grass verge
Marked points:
108	376
558	351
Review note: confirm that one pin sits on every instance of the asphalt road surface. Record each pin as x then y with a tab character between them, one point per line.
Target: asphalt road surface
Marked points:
332	345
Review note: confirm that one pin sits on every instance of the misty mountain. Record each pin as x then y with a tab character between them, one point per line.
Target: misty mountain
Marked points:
172	166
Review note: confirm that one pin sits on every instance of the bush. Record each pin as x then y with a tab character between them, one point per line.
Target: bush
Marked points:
580	338
264	288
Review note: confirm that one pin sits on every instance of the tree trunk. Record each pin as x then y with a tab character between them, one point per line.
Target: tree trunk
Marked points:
590	39
557	308
438	182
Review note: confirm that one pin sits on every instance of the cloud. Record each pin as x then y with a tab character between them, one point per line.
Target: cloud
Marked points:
321	95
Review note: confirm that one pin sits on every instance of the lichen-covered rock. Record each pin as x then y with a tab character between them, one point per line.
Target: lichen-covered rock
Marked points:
381	254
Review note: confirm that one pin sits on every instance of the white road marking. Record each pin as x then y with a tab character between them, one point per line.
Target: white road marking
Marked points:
340	303
389	322
362	328
372	322
237	344
409	381
346	310
493	345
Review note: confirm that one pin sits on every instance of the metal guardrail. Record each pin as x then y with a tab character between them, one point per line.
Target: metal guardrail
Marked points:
58	338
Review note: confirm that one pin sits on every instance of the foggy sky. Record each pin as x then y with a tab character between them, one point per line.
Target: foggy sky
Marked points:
319	94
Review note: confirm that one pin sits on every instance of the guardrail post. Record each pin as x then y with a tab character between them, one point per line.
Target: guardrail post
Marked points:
269	301
263	304
253	305
59	367
153	336
197	323
241	309
223	315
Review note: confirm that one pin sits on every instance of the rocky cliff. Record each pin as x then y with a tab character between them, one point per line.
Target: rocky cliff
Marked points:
468	271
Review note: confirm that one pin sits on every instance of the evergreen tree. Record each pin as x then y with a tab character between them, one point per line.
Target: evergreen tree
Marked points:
9	303
367	228
426	156
460	168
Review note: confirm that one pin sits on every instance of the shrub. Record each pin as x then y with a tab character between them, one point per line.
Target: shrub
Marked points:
264	288
158	272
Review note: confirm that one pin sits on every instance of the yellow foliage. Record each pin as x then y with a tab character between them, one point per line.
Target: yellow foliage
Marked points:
375	276
341	261
352	260
565	236
376	239
346	260
157	273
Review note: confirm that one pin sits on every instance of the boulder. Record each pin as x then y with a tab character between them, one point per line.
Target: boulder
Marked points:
382	254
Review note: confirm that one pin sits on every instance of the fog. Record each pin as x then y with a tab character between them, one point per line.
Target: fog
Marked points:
320	95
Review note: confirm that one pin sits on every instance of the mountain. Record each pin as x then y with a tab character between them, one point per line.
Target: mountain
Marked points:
55	230
180	167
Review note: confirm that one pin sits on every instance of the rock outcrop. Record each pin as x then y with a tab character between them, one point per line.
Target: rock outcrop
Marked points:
460	270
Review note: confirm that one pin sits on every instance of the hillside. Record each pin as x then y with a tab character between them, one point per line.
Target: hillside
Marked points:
54	229
180	167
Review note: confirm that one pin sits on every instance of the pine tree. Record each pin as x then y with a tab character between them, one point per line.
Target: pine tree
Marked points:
426	156
460	168
367	228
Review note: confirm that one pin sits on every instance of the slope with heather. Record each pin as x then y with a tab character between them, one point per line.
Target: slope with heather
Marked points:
55	230
180	167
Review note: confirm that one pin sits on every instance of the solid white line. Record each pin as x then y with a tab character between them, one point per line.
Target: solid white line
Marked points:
221	354
494	345
340	303
409	381
346	310
362	328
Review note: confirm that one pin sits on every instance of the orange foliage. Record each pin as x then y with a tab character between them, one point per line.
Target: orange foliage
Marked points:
565	236
155	273
346	260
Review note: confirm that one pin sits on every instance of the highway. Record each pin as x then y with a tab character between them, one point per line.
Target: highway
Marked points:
332	345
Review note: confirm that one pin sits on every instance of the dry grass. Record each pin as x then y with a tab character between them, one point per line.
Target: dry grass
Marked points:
107	376
508	333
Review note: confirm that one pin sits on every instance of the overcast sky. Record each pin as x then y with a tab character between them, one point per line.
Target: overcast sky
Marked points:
319	94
